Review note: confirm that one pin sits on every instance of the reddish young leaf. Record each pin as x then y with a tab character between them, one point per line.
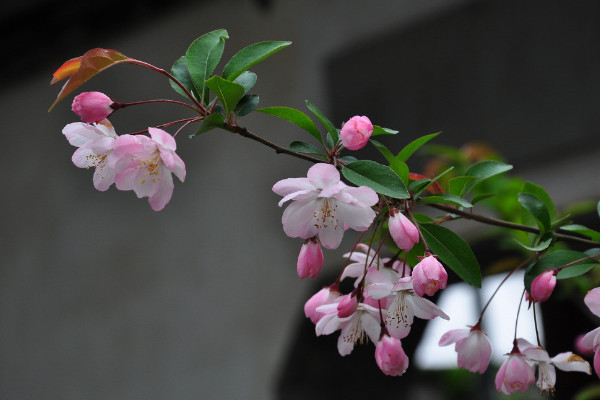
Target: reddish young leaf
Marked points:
435	188
80	69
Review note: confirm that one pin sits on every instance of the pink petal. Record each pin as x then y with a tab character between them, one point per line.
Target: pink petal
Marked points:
291	185
162	138
592	300
297	219
322	175
163	193
453	336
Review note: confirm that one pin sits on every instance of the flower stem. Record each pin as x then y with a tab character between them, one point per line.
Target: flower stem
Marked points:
116	105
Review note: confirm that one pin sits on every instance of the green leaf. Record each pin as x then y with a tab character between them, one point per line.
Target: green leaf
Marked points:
91	63
296	117
181	73
246	105
540	247
453	251
212	121
228	92
249	56
458	184
305	148
376	176
418	192
348	159
415	145
247	79
378	130
202	58
582	230
333	133
484	170
383	150
481	197
537	208
445	198
541	194
556	259
401	169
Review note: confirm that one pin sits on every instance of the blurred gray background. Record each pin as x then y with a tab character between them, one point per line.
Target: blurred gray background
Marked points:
102	298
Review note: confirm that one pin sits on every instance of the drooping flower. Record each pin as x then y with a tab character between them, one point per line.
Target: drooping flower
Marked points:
566	361
92	106
310	259
390	356
356	132
429	275
472	346
591	340
542	286
322	205
515	373
404	232
146	165
364	258
96	143
324	296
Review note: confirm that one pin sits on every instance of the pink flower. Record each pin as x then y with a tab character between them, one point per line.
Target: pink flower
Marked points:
322	205
356	132
310	259
428	276
364	258
591	340
390	356
515	374
146	165
404	232
322	297
347	306
95	144
92	106
542	286
473	348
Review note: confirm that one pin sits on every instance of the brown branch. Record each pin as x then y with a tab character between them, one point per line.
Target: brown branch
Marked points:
511	225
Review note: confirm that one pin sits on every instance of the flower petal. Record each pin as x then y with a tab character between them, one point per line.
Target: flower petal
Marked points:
592	300
322	175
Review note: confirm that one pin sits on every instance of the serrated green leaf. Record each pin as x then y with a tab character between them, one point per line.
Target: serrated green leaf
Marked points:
555	259
378	130
251	55
582	230
453	251
541	194
246	105
181	73
332	131
202	58
415	145
228	92
247	79
305	148
212	121
296	117
537	209
445	198
456	185
484	170
376	176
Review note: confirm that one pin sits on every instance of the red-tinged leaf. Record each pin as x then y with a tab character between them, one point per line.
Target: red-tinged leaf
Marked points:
435	187
91	63
66	70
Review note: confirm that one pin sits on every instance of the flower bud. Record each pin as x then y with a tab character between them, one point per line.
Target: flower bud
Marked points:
92	106
356	132
404	232
390	356
310	259
322	297
542	286
347	306
429	275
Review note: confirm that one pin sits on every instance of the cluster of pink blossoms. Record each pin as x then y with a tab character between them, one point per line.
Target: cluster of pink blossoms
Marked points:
132	162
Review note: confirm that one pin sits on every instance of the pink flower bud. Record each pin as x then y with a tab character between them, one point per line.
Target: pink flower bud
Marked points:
356	132
390	356
92	106
515	374
310	259
347	306
404	232
322	297
429	275
542	286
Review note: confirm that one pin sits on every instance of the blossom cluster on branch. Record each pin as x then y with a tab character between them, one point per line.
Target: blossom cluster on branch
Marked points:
401	258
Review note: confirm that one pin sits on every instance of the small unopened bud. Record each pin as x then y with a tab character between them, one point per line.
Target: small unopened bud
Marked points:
404	232
429	275
310	259
92	106
543	286
356	132
390	356
347	306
